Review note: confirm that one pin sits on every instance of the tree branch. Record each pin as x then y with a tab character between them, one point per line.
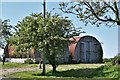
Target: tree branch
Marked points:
110	7
117	13
92	10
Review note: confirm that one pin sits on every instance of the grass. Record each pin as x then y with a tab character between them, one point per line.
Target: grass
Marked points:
73	71
15	65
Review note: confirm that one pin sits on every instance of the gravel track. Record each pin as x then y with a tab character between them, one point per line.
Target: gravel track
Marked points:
5	72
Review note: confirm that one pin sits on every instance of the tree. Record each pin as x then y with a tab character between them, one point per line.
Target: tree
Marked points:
32	32
5	34
116	59
94	12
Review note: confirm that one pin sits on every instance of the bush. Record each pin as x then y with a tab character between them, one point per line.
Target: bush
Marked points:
116	60
107	60
36	62
29	61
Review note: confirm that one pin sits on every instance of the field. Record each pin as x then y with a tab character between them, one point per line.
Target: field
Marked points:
92	71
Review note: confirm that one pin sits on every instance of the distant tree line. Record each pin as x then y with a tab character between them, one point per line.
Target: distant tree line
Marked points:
114	60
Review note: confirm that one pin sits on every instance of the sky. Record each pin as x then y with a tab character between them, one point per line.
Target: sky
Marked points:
16	11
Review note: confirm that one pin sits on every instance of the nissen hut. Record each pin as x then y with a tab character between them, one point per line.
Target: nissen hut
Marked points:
86	49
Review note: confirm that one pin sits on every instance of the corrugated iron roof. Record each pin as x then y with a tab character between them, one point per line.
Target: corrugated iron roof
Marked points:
72	44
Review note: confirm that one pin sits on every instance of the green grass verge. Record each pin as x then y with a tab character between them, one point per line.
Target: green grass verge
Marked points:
104	71
15	65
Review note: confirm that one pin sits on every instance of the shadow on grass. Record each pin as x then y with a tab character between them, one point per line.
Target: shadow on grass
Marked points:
77	73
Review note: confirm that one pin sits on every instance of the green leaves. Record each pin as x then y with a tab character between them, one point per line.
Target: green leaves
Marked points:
6	31
53	31
96	13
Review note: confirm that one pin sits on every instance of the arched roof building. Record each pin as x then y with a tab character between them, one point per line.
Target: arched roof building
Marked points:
86	49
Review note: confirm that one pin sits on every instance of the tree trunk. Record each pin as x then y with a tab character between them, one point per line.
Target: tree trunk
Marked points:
6	53
3	60
53	62
54	68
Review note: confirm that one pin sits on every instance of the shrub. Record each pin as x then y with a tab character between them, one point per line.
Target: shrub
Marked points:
36	62
116	59
29	61
107	60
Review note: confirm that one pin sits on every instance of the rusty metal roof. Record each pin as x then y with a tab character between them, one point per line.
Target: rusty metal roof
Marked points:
72	44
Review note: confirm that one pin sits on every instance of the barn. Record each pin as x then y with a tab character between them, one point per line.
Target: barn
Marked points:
86	49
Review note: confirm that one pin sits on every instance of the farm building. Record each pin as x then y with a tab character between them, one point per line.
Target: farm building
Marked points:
11	55
86	49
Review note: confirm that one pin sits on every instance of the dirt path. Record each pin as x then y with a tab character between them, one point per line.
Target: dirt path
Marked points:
5	72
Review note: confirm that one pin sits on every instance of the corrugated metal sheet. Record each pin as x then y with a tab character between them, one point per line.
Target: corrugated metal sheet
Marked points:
87	50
